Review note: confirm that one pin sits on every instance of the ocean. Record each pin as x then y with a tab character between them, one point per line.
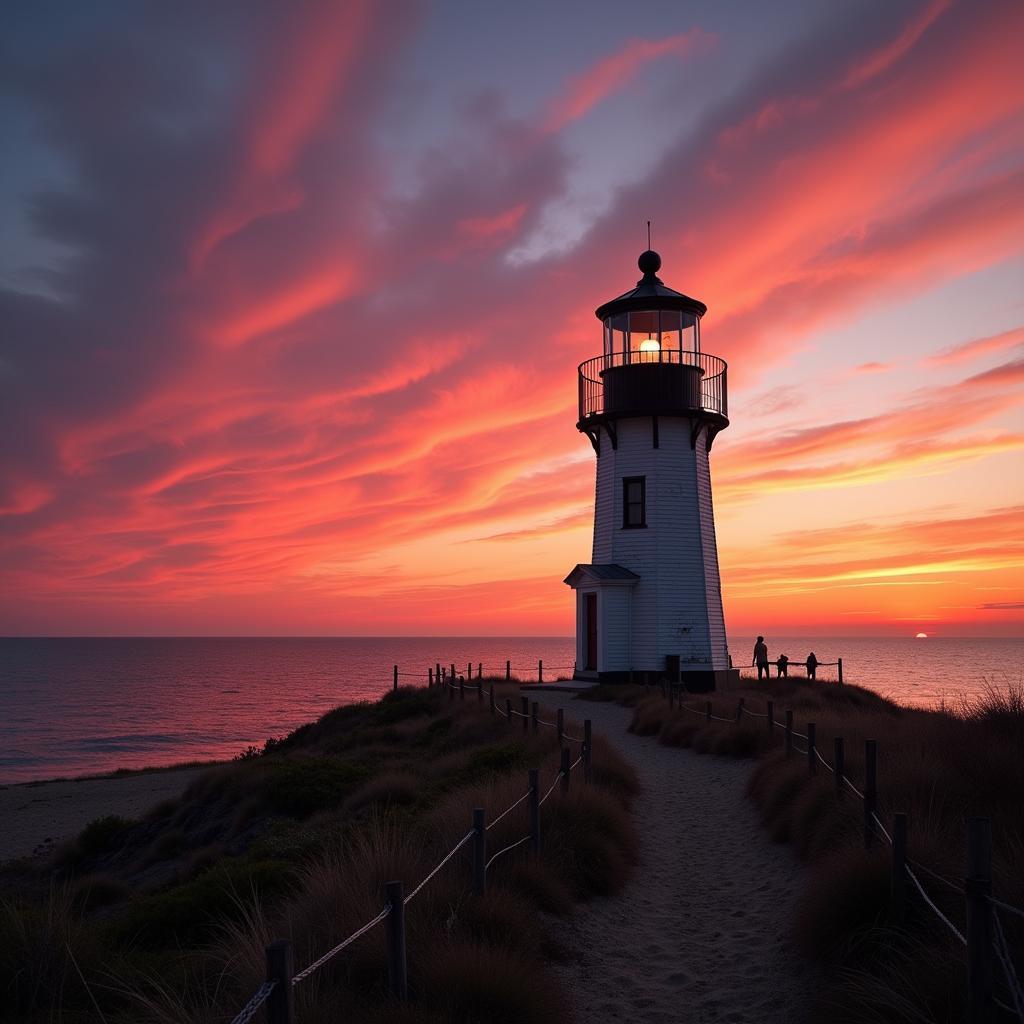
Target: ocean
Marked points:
81	706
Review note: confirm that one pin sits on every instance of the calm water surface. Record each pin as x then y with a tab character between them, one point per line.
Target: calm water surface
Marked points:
74	706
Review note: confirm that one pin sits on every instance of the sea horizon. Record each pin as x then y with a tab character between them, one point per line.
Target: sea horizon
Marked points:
92	705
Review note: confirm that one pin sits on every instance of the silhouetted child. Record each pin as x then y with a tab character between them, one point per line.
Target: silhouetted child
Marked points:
812	666
761	658
782	665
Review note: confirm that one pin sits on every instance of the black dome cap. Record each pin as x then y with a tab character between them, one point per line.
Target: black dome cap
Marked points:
650	293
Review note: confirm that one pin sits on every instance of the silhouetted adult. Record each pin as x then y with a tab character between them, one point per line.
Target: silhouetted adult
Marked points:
761	658
782	665
812	666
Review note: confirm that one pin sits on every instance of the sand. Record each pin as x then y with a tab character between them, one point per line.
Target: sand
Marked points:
41	814
700	933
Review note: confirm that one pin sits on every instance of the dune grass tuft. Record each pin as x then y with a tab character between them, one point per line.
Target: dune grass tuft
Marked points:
937	766
167	919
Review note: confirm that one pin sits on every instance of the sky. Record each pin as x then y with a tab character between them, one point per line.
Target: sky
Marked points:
292	297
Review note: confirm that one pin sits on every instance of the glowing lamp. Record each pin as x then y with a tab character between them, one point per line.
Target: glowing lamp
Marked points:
650	345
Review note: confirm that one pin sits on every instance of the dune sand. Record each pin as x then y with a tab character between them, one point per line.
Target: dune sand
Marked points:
41	814
700	933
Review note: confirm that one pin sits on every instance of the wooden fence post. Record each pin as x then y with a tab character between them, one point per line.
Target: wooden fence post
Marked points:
430	677
479	851
526	714
707	711
453	671
870	790
534	802
395	686
508	671
898	878
281	1002
534	709
840	671
978	887
490	693
540	671
840	759
771	719
437	672
469	671
394	926
812	760
479	670
479	690
561	726
789	732
588	737
565	769
508	709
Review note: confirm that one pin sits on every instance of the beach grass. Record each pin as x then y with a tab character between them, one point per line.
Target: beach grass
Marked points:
166	918
938	766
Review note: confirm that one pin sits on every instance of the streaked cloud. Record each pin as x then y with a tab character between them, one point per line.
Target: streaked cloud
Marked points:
270	390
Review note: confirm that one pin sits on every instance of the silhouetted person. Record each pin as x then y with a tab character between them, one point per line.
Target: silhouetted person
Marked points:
782	665
812	666
761	658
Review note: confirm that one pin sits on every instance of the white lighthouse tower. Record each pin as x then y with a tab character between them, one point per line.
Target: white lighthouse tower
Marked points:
650	599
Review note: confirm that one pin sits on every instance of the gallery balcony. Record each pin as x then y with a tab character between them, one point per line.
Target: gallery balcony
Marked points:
665	382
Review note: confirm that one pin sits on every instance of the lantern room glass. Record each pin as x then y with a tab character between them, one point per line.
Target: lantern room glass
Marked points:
656	335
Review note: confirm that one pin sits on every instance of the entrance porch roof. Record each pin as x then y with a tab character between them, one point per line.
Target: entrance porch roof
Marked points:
602	575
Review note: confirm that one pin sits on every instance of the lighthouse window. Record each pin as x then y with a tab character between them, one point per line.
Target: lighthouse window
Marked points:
634	503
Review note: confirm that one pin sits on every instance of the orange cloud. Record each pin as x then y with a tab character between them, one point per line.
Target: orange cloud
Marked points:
296	300
328	427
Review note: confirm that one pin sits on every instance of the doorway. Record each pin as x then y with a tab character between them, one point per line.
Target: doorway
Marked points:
591	621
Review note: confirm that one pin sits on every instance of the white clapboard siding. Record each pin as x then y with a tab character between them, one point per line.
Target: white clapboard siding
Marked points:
716	614
614	653
676	606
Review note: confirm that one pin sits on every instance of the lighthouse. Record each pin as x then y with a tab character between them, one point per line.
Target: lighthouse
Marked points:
649	603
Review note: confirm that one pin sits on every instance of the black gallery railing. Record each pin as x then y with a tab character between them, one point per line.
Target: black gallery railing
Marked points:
709	395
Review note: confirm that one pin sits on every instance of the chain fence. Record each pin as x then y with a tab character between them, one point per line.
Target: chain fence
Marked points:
267	988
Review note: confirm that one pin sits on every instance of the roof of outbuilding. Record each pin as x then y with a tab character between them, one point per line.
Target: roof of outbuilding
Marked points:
603	572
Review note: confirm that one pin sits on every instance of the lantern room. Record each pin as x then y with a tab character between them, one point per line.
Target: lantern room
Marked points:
652	361
651	322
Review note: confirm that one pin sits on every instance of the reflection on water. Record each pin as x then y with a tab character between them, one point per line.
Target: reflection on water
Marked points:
73	706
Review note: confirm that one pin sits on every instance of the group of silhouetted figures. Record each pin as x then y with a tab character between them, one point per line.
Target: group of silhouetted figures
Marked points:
781	663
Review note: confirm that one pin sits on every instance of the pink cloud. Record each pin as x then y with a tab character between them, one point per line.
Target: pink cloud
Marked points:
611	73
319	421
979	347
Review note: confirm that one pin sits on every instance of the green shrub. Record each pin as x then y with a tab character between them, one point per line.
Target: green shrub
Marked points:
100	835
191	912
298	786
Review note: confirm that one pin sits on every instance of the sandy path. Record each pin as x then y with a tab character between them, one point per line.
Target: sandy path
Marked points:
699	934
35	812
